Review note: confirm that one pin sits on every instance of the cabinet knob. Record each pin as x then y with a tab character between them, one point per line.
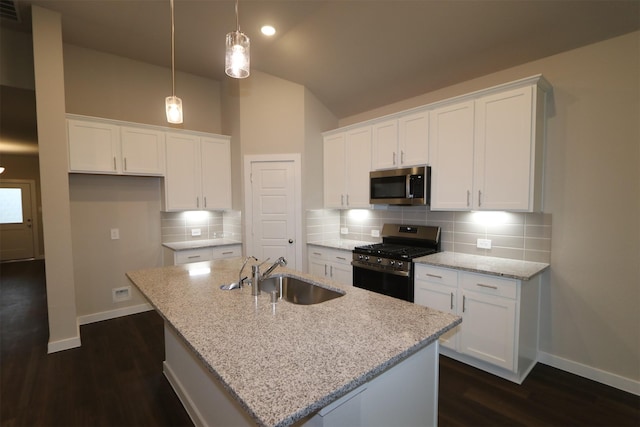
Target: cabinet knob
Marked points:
290	241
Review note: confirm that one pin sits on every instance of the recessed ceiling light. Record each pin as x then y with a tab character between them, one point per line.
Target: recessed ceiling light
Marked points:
268	30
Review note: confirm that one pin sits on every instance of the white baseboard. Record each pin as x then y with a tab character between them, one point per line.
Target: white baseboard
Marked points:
65	344
112	314
595	374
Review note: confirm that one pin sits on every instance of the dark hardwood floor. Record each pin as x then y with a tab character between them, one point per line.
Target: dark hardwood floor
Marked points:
115	378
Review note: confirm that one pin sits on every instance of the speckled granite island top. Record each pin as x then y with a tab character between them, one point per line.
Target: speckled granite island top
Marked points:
283	361
515	269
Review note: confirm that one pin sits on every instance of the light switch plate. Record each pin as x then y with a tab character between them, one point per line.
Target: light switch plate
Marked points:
196	232
375	233
115	234
344	230
484	243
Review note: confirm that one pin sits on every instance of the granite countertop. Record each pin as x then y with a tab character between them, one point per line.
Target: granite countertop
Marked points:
344	244
196	244
283	361
515	269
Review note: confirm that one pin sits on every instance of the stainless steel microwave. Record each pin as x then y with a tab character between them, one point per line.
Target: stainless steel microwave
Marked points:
407	186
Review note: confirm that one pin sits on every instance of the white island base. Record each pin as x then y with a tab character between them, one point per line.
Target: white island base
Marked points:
403	395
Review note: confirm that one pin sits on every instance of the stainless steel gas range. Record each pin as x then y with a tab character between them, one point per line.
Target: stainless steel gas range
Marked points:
387	267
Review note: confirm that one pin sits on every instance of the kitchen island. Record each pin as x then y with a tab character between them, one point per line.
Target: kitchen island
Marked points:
238	359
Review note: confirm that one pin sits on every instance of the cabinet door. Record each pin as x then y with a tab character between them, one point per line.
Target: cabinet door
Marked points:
342	273
413	133
183	177
142	151
317	266
216	173
93	147
504	151
358	166
439	297
489	328
334	171
451	156
385	145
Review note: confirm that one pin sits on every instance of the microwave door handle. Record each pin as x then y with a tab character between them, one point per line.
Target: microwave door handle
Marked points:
409	191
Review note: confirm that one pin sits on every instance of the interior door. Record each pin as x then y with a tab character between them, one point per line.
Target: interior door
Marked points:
273	211
16	221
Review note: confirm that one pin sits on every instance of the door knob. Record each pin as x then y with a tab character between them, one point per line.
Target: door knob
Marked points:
290	240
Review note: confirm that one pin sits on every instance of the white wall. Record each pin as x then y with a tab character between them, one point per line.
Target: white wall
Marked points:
49	84
98	204
590	311
105	85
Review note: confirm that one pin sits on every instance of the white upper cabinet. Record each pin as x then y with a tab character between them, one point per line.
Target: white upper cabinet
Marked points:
347	163
508	152
198	172
107	147
385	145
93	146
486	152
401	142
216	173
451	155
142	151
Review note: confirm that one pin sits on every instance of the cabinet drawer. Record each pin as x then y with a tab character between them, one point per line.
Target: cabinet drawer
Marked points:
507	288
338	256
442	276
226	252
330	255
193	255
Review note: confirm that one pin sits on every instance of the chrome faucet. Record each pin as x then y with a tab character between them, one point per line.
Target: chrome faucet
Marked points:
244	263
280	261
257	277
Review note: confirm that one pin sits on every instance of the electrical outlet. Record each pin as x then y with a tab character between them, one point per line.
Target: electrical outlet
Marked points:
121	294
344	230
484	243
375	233
115	234
196	232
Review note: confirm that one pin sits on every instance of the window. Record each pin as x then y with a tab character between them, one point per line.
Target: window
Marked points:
11	206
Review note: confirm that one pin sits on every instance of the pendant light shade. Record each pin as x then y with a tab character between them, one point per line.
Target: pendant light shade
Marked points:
174	109
173	104
237	59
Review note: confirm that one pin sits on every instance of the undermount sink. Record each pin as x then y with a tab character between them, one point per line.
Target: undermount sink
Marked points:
298	291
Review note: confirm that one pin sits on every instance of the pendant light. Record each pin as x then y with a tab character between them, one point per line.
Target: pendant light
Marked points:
237	58
173	104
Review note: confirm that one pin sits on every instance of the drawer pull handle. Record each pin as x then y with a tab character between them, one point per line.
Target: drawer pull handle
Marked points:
194	256
317	253
342	258
464	303
227	253
482	285
451	300
434	275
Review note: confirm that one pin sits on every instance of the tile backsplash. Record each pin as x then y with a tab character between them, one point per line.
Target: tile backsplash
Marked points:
179	226
523	236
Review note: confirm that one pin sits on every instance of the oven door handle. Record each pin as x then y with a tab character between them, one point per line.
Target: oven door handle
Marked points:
381	270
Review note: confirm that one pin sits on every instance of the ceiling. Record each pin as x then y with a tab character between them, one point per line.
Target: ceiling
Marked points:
354	55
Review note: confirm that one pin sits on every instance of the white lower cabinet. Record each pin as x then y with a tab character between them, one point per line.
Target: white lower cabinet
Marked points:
210	253
499	329
330	263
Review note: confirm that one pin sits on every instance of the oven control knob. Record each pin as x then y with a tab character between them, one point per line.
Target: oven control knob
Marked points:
379	260
392	262
360	257
399	264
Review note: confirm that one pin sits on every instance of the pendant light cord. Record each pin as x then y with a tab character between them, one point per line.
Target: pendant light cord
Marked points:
237	17
173	71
